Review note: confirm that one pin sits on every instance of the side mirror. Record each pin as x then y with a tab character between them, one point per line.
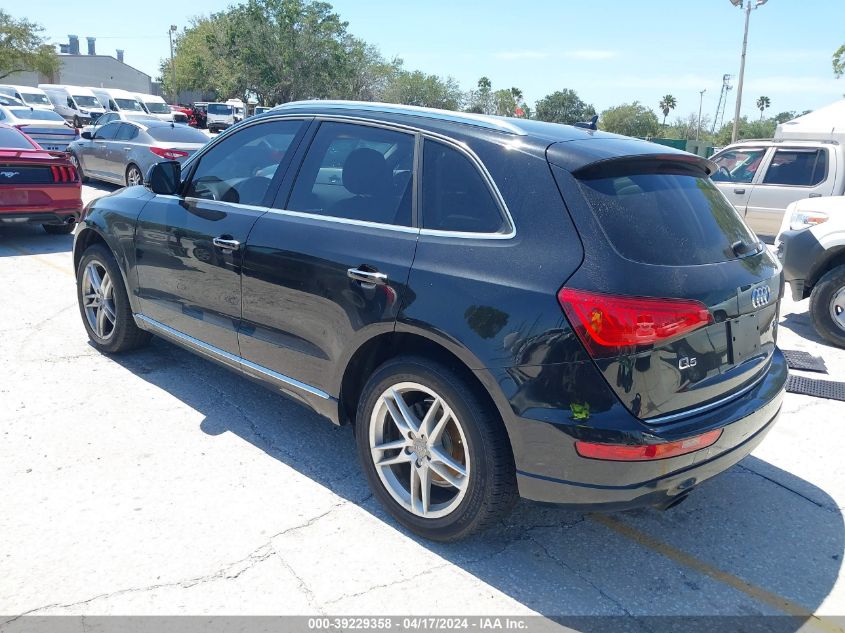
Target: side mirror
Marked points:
87	135
164	178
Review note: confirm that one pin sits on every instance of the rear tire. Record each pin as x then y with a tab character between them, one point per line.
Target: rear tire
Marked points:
104	304
78	167
827	306
134	176
460	453
59	229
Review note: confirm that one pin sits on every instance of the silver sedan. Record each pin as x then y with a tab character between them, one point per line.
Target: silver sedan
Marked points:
122	152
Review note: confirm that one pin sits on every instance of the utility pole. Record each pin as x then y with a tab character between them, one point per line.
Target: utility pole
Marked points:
700	102
172	66
749	5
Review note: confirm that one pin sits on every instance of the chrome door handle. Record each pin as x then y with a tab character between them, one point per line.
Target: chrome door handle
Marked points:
367	276
226	245
127	149
739	191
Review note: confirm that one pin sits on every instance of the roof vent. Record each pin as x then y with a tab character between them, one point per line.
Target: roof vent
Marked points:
92	49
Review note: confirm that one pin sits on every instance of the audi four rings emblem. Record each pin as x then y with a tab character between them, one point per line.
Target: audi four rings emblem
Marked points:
760	296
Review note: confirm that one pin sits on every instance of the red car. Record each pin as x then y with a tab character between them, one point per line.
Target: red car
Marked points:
37	186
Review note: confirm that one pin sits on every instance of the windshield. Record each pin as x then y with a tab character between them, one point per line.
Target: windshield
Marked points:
12	139
37	115
219	108
157	108
129	104
85	101
35	98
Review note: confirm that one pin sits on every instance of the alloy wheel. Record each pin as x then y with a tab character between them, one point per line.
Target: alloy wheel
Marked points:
419	450
134	177
837	308
98	300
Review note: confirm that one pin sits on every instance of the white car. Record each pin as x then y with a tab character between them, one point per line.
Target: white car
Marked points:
45	127
811	247
33	97
220	116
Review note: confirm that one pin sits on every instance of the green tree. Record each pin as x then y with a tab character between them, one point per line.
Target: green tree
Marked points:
667	103
783	117
746	129
22	48
762	104
418	88
839	62
482	100
507	100
630	119
563	106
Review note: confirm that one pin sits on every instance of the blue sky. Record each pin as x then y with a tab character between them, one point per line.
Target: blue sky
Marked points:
610	51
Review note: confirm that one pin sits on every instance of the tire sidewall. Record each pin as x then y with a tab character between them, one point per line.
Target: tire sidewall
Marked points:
123	311
468	410
823	292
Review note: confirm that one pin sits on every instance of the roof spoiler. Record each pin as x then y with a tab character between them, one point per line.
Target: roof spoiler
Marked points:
647	163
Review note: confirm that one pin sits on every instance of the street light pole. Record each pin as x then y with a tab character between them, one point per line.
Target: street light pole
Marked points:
172	66
700	102
749	4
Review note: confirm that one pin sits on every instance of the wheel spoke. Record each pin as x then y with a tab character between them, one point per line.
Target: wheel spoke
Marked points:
94	278
106	287
426	424
401	414
401	458
107	309
391	445
413	486
441	470
425	488
434	437
90	300
101	323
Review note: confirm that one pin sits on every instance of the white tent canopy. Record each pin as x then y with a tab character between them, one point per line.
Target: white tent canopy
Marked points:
827	123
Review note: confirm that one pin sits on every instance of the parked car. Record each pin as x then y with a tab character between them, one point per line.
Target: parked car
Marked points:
811	246
77	104
157	107
501	306
36	186
761	178
123	115
45	127
122	152
29	96
219	116
11	101
117	100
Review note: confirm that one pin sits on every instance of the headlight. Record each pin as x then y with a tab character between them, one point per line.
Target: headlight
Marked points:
84	111
806	219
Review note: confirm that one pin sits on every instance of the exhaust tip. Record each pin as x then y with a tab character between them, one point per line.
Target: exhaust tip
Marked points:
676	501
70	220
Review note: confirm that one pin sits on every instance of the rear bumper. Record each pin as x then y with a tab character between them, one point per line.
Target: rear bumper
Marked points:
614	485
60	216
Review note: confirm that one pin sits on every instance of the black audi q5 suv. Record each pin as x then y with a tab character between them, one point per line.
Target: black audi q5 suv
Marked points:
500	307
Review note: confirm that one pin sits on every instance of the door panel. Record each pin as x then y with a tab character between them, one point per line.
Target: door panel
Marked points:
185	281
791	174
737	174
302	312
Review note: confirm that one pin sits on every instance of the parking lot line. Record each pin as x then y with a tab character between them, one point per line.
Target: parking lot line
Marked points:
679	556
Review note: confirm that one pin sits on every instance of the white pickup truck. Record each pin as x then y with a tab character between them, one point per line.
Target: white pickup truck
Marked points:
811	247
806	159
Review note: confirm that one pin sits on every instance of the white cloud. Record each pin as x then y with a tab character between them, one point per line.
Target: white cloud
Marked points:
523	54
589	54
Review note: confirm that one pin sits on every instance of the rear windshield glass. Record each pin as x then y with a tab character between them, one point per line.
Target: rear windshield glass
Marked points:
219	108
12	139
35	98
35	115
667	219
177	134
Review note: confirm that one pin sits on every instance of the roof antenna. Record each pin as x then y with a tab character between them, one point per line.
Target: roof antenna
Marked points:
589	125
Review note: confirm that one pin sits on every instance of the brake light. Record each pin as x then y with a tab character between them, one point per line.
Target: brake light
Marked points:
607	323
169	154
63	173
645	452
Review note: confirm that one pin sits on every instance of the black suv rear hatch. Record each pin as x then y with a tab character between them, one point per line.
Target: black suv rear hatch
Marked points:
677	300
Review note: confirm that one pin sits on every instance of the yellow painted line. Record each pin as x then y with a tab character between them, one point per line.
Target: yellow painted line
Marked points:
679	556
43	260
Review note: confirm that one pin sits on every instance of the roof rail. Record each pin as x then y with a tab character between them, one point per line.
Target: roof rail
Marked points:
500	124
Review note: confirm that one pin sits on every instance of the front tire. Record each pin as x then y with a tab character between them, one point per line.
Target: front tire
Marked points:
104	304
827	306
434	452
77	123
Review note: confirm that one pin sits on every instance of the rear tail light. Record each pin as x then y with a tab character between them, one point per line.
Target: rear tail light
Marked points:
169	154
606	324
63	173
646	452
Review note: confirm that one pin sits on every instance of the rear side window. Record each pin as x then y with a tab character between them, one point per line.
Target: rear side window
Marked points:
126	132
357	172
12	139
797	167
670	219
455	196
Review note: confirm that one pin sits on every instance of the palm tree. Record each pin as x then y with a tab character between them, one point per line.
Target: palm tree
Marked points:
762	104
667	103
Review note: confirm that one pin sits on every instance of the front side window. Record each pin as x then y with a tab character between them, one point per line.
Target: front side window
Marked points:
240	168
357	172
797	167
107	132
455	196
738	165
